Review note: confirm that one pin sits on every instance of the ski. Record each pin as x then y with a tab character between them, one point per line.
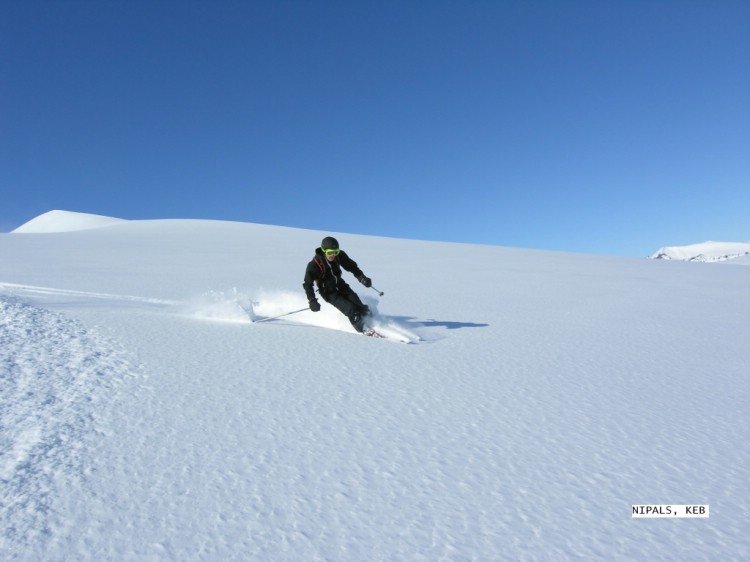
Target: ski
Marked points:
373	334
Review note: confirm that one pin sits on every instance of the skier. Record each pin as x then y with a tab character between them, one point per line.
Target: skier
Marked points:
324	270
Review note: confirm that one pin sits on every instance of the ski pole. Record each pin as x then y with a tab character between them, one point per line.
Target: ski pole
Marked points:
280	315
381	293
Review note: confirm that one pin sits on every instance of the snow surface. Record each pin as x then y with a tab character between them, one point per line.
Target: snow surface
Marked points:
704	252
64	221
144	417
742	260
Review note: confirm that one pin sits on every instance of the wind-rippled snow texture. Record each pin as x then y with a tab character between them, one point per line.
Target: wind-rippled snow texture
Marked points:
54	374
544	405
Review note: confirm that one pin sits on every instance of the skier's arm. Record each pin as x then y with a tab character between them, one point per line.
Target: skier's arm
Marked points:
350	265
309	283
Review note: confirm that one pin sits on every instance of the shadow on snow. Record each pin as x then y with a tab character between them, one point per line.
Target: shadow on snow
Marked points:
437	323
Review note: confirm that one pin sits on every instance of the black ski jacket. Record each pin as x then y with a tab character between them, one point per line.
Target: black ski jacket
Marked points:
326	275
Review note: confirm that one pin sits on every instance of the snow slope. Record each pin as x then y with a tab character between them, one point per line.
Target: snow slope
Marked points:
64	221
742	260
704	252
144	417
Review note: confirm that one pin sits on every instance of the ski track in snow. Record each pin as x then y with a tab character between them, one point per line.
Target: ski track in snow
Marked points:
55	375
69	294
233	306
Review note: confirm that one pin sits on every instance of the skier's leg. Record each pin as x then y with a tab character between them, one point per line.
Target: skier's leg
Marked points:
348	309
355	300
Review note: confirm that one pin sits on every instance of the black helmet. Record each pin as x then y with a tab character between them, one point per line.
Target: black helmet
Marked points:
329	243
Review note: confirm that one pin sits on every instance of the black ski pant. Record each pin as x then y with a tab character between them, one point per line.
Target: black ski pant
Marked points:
349	303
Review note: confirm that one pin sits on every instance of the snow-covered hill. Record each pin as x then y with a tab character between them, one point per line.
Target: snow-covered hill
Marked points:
144	417
64	221
704	252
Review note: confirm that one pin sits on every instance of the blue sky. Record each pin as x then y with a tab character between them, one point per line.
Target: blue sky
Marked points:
586	126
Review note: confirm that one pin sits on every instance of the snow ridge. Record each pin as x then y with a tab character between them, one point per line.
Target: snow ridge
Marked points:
53	375
706	252
65	221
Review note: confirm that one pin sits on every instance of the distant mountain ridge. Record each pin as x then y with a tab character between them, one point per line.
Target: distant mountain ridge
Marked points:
705	252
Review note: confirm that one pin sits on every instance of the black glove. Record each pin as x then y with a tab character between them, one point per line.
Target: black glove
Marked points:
314	305
366	281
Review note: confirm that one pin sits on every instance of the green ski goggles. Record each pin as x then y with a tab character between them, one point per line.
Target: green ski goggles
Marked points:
331	252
